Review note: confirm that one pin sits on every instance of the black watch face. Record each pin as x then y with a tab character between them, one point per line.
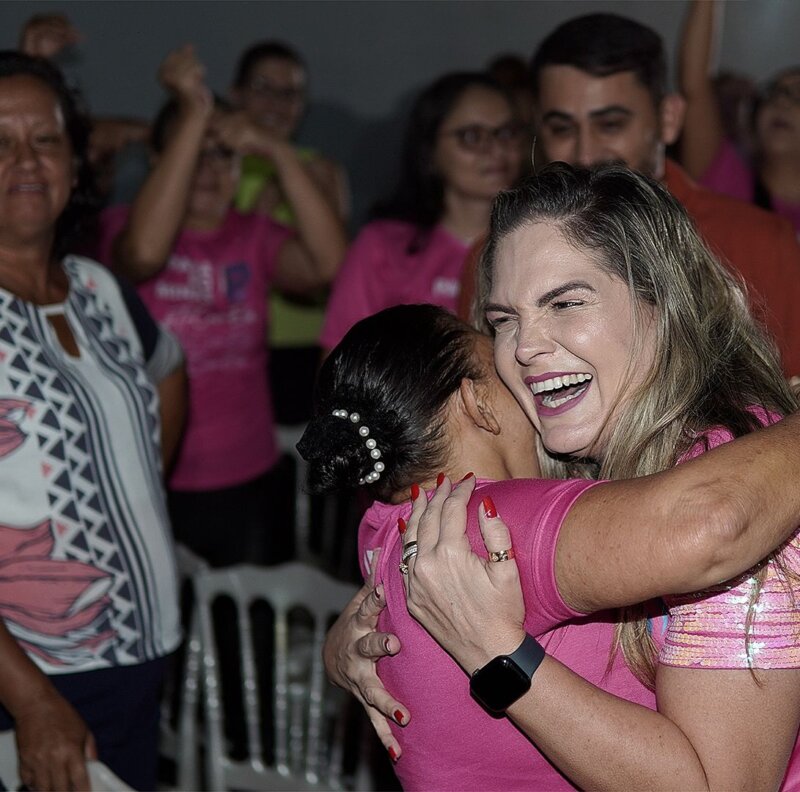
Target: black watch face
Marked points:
499	684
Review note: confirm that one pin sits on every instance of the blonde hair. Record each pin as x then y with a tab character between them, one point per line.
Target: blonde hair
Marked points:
712	365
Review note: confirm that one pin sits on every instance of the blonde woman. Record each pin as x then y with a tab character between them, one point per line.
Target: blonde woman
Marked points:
630	350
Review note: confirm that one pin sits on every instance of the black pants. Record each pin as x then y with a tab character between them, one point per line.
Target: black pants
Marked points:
248	523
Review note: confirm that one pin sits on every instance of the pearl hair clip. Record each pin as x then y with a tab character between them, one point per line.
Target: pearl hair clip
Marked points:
370	443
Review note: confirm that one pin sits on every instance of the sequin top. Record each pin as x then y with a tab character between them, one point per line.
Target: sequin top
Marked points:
710	629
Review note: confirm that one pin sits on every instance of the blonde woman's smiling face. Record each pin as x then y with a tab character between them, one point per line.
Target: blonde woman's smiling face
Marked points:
564	338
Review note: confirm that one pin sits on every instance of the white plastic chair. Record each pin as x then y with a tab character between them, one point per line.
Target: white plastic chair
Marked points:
179	737
308	732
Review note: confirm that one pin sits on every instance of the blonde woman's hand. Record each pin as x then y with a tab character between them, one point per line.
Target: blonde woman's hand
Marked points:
471	606
352	648
794	384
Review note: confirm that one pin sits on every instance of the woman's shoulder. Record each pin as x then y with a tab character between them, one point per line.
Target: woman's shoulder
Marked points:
90	273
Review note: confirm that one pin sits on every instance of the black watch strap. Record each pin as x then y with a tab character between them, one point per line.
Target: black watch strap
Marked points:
528	656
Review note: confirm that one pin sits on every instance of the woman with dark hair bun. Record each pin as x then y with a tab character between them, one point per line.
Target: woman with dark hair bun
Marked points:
412	392
91	408
461	149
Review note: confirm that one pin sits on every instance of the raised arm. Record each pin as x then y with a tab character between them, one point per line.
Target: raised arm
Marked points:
143	247
312	259
332	179
702	130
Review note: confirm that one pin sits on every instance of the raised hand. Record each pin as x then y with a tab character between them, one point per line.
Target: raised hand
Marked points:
238	132
46	35
183	75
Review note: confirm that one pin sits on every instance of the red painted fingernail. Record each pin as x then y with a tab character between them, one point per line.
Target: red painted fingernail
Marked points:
392	753
440	480
414	491
398	716
401	525
488	507
469	475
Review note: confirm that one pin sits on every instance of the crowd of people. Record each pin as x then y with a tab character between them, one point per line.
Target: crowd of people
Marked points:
564	398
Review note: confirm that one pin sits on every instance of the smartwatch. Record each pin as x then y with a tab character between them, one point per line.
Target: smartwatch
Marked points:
506	678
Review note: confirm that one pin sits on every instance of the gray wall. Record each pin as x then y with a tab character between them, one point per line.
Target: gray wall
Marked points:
366	58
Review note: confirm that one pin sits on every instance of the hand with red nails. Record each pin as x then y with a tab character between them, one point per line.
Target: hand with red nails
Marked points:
352	647
471	606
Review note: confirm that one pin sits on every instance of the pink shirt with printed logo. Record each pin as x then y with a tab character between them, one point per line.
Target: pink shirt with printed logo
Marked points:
393	263
212	296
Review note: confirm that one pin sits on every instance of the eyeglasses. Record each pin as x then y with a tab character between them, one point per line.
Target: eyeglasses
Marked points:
782	90
477	137
266	90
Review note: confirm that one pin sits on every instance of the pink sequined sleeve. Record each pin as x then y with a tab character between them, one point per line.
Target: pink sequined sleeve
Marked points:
710	629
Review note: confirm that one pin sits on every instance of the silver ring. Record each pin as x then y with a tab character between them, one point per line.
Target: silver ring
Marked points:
502	555
403	568
409	551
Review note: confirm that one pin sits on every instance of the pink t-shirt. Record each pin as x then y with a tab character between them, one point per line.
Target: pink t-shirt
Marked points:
212	296
730	174
450	742
379	272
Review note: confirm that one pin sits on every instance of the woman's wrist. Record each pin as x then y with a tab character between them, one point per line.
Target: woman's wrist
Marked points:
476	653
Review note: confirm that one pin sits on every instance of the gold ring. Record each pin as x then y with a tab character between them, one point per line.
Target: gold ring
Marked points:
502	555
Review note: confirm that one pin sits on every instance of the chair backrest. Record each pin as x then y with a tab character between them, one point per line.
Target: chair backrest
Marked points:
306	728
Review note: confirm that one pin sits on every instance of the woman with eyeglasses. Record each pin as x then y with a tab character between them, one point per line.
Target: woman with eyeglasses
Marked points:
205	271
271	87
461	149
772	179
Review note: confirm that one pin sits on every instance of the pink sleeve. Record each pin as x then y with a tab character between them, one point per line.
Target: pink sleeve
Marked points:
360	286
708	629
534	511
729	174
